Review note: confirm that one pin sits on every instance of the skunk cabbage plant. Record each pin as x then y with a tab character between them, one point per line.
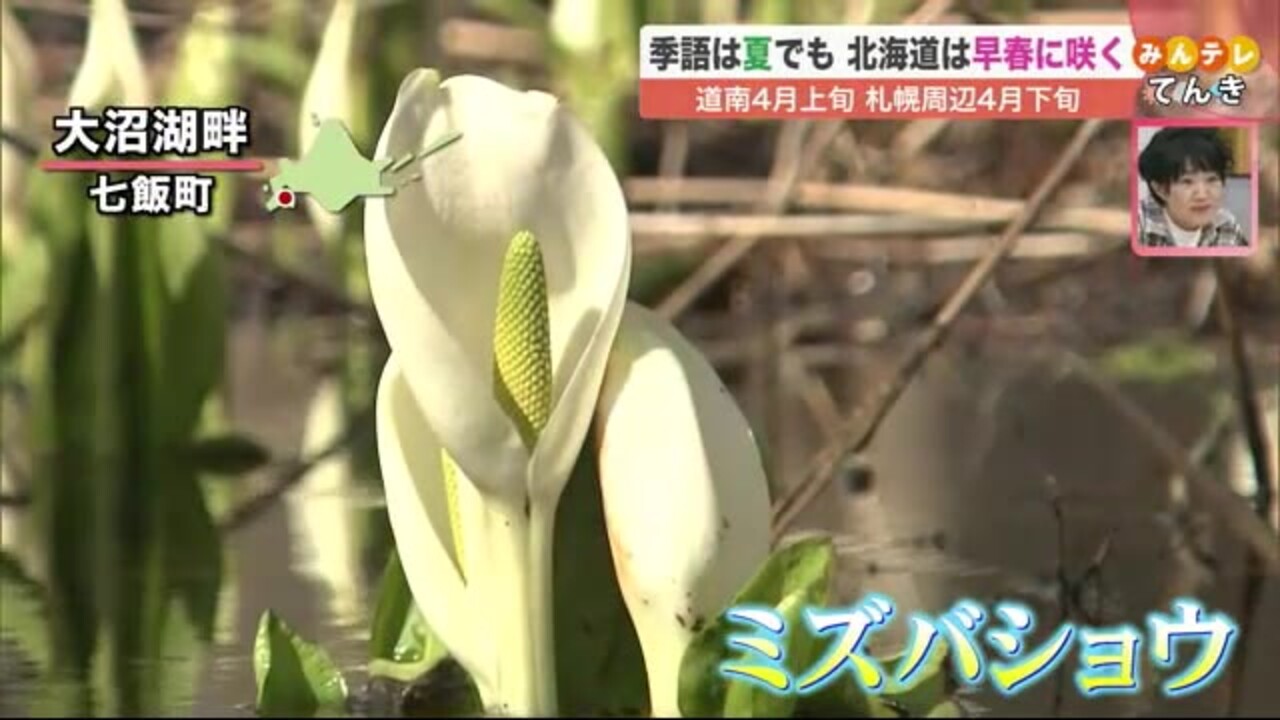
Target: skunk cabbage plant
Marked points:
500	278
686	498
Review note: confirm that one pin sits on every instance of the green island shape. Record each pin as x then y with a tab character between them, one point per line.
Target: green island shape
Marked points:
334	173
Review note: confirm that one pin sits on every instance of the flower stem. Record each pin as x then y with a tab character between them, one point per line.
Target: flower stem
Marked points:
519	573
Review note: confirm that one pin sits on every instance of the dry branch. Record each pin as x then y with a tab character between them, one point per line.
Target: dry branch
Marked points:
789	167
1234	511
882	201
855	436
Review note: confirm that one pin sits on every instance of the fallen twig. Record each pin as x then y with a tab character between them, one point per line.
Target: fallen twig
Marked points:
855	436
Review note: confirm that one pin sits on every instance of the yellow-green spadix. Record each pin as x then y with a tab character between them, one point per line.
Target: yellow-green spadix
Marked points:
499	278
685	494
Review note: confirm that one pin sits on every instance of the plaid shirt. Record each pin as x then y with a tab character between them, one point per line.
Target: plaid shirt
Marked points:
1153	229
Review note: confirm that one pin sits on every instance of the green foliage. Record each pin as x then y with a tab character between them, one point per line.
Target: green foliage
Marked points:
792	578
1161	359
116	327
599	664
400	642
294	677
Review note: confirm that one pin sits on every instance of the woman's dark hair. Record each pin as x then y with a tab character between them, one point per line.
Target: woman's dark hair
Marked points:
1176	151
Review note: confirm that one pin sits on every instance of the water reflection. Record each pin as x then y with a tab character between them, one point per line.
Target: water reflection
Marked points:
111	583
135	606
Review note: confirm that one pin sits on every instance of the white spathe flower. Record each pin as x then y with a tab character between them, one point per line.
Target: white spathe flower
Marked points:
526	201
686	499
413	475
435	250
112	71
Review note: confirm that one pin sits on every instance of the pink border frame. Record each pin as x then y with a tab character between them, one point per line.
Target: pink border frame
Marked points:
1134	211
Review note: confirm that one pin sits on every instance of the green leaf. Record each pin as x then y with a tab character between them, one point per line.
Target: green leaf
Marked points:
929	688
400	635
599	664
792	578
1163	359
294	676
231	454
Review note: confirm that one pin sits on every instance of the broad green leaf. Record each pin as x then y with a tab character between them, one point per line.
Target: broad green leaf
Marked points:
599	664
845	697
928	689
1162	359
792	578
184	314
400	635
294	677
230	454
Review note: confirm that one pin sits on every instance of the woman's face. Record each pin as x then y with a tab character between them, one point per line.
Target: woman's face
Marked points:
1194	199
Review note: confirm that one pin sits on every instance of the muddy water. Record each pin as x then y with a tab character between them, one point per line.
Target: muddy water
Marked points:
966	458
